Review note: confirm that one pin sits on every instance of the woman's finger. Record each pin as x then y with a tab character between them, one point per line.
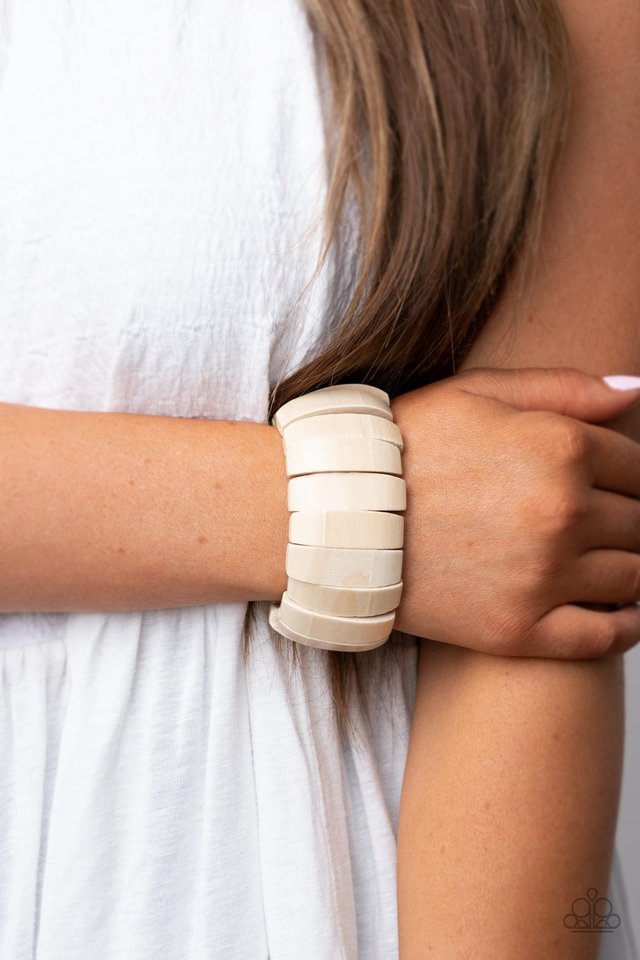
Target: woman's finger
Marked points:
570	632
605	576
615	460
613	522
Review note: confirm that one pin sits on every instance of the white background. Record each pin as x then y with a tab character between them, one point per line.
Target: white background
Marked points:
628	840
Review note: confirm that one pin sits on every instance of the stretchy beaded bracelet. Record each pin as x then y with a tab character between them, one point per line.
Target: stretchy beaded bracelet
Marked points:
344	556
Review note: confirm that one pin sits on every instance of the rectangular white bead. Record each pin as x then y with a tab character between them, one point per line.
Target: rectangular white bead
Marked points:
347	491
347	528
345	601
342	425
343	567
325	626
347	645
326	454
349	398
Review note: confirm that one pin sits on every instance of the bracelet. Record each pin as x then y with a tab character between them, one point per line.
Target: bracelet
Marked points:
345	486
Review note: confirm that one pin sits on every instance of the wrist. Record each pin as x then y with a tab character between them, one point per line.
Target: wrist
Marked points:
272	578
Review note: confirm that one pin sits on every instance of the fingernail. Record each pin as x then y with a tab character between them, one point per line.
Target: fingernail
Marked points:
621	381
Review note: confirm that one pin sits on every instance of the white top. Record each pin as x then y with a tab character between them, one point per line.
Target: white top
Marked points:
161	172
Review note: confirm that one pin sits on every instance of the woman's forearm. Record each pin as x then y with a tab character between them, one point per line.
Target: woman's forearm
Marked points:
120	511
509	804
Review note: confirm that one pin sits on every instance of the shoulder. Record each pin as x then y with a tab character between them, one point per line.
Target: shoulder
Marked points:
603	33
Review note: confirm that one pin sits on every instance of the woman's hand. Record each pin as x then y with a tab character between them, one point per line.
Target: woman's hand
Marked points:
519	507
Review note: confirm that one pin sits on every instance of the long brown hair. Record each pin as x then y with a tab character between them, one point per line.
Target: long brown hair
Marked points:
446	118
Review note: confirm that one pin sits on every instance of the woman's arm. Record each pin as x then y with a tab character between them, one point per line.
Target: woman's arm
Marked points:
508	805
511	788
121	511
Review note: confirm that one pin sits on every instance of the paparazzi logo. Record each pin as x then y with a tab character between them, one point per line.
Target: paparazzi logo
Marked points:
592	914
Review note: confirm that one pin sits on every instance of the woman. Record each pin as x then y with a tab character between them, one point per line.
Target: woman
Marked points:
167	789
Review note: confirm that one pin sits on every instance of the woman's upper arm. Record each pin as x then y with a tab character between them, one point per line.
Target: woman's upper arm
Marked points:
580	303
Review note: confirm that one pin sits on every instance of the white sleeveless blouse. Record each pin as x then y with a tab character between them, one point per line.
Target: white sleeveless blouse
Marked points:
161	183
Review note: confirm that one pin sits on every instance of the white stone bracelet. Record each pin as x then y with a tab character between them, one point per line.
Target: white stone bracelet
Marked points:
344	556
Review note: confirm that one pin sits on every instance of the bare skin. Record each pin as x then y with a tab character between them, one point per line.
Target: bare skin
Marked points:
511	788
119	511
514	515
